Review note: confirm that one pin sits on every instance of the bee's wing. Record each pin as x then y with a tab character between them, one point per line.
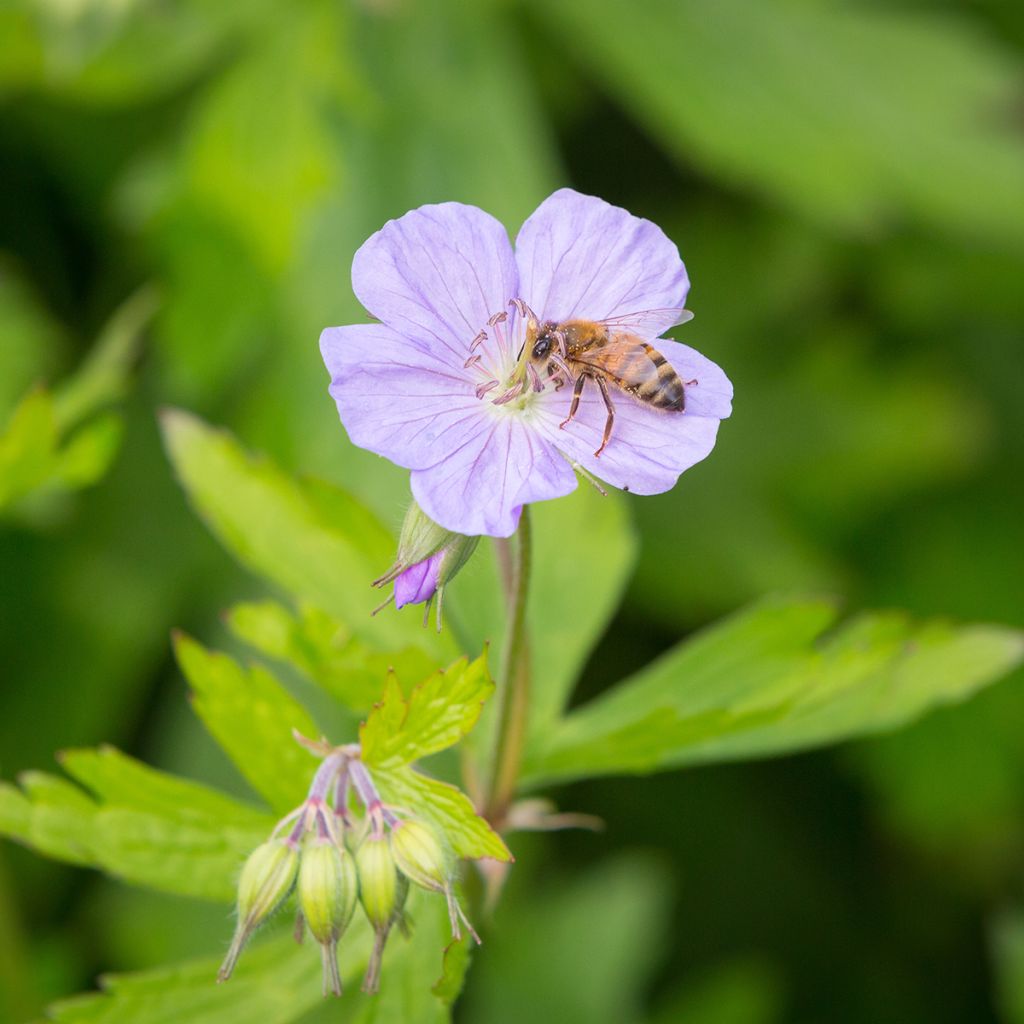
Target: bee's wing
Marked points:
646	320
624	358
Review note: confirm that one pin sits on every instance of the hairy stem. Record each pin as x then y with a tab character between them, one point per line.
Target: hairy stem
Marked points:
513	680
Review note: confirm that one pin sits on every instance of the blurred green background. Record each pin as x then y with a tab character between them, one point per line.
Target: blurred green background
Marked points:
846	185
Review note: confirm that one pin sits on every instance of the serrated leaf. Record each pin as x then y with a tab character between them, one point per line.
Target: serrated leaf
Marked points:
252	716
140	825
325	650
314	540
448	809
767	682
438	713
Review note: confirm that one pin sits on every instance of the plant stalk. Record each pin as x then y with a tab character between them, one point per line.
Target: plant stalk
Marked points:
513	681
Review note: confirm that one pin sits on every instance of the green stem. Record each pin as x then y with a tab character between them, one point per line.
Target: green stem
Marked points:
513	682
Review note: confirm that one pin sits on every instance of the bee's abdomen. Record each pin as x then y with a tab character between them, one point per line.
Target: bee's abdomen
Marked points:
663	390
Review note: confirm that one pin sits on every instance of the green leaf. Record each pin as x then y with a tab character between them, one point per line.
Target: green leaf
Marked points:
140	825
252	716
845	112
767	682
314	540
278	981
438	713
27	447
324	650
103	377
448	809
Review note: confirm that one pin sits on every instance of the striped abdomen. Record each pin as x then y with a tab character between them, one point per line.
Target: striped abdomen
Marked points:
637	368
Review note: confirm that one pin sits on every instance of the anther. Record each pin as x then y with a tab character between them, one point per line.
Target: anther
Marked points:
478	340
472	360
497	318
482	389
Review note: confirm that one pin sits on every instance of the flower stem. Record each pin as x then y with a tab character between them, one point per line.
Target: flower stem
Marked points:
513	681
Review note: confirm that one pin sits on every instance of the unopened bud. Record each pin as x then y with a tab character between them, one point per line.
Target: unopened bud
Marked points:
382	892
327	898
267	877
378	880
429	557
420	855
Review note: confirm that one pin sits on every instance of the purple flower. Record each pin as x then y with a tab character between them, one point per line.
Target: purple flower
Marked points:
443	385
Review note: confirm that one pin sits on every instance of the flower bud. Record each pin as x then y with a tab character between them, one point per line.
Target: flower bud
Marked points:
429	556
382	892
267	877
420	855
327	898
378	881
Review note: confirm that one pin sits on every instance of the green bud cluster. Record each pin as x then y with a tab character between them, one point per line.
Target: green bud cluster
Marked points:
335	864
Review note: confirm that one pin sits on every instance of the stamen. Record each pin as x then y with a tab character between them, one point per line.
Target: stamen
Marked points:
472	361
497	318
513	392
523	309
538	384
478	340
485	387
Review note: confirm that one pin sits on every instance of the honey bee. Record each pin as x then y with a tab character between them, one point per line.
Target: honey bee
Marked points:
609	354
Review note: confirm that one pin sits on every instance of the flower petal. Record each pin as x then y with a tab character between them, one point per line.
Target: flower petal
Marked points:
437	274
395	396
579	256
481	488
419	582
649	448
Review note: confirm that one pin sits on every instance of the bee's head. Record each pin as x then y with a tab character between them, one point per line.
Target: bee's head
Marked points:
544	344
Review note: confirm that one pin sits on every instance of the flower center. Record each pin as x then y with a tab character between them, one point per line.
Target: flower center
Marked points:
508	378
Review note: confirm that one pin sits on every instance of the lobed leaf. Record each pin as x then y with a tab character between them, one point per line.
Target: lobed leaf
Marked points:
252	716
438	713
138	824
447	808
766	681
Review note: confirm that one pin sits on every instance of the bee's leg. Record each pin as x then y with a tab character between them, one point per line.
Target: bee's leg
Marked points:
611	415
581	380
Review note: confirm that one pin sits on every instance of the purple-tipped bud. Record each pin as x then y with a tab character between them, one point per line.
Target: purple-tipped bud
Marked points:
267	877
429	557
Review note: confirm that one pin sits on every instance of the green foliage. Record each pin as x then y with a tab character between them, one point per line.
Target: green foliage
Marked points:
844	112
59	442
252	716
1008	955
539	956
436	715
314	540
767	682
135	823
277	981
324	650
